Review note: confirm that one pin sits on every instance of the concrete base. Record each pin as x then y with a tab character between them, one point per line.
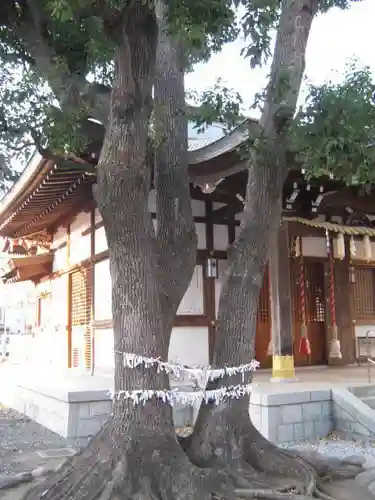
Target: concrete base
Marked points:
292	416
73	405
352	412
278	380
76	406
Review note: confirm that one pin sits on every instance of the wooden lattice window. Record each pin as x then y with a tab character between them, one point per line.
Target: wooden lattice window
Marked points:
81	314
364	293
264	299
315	303
314	290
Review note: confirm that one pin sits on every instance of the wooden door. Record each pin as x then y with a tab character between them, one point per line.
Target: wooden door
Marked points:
315	310
81	328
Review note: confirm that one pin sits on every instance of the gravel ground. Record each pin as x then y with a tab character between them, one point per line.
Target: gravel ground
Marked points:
336	447
20	438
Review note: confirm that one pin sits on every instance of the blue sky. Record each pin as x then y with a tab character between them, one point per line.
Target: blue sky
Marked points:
335	37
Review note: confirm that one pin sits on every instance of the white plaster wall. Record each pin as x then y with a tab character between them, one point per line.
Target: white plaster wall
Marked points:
200	228
100	240
103	291
198	206
80	222
314	246
189	345
80	249
60	259
192	302
80	246
221	240
59	305
59	237
103	350
61	255
43	287
223	265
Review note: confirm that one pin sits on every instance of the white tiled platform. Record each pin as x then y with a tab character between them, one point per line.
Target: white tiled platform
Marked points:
76	405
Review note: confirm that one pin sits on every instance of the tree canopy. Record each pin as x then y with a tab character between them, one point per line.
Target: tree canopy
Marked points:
67	61
57	70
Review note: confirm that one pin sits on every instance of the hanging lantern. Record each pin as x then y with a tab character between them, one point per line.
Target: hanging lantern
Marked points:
367	248
353	249
340	246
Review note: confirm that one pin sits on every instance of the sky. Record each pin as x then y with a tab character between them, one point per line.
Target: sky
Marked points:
335	38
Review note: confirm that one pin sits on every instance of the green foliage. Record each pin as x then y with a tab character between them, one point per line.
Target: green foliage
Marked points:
51	50
218	104
334	132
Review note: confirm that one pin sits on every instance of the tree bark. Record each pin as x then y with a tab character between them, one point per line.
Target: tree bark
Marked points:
225	432
136	455
177	241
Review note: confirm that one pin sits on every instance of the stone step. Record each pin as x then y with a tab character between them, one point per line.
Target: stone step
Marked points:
364	391
366	478
369	400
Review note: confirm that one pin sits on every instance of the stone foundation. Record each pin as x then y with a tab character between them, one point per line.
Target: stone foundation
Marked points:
293	416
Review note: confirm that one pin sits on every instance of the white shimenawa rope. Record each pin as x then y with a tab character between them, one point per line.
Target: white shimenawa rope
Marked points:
180	371
187	398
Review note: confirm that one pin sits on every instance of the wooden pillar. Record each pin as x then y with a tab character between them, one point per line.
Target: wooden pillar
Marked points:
209	287
281	308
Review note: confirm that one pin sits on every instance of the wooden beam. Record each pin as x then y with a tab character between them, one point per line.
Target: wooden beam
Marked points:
229	210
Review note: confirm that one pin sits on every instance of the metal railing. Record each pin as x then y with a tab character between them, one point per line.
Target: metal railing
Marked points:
370	361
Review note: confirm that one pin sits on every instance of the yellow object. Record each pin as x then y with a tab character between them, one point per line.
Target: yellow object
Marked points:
283	367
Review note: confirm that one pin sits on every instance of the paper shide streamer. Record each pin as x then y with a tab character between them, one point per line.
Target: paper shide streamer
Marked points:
186	398
180	372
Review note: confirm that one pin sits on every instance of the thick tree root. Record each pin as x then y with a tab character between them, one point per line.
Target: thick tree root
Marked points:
311	468
153	468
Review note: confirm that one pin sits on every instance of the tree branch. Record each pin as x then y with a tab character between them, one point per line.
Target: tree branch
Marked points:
176	229
72	91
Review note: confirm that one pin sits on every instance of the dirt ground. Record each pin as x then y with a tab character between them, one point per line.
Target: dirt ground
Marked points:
21	441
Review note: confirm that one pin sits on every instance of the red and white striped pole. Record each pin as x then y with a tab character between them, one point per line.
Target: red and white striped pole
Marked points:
304	345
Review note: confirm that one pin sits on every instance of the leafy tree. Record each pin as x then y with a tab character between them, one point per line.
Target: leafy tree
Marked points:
71	60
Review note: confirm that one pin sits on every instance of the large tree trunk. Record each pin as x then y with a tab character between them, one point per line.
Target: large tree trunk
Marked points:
225	432
137	455
177	241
